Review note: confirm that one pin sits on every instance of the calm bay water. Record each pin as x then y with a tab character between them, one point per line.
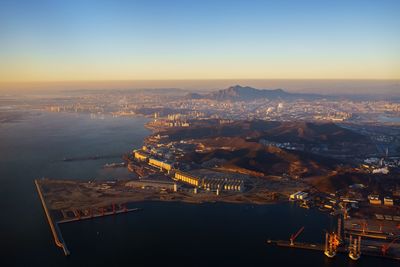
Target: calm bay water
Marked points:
385	119
163	234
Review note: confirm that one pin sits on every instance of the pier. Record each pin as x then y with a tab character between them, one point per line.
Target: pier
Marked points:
55	230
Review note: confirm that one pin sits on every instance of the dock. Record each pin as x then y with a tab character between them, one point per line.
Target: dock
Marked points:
366	251
310	246
108	213
55	230
78	216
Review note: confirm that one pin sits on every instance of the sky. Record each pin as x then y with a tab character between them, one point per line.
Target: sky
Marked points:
85	40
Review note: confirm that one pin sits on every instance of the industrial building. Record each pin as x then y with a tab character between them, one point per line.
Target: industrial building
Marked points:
187	178
374	200
162	165
299	196
140	156
223	184
388	201
145	157
164	185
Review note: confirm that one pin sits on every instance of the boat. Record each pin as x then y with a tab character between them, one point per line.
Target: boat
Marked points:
114	165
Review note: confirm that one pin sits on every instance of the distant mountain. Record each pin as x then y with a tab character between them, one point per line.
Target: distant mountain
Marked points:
247	93
194	96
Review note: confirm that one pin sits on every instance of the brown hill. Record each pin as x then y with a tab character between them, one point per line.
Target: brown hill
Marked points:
328	139
343	179
279	131
309	132
268	160
302	149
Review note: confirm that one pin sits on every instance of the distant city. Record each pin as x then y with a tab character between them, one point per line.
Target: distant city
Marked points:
249	103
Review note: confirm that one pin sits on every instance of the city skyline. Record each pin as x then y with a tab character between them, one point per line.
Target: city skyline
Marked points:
49	41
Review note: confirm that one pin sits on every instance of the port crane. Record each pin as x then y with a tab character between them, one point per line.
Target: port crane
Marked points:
386	247
113	208
331	243
123	206
294	236
355	248
102	211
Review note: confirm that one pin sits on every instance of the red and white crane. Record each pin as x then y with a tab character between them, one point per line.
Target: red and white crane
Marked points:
386	247
294	236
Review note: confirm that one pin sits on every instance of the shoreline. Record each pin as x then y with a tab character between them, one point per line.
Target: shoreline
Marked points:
77	194
58	239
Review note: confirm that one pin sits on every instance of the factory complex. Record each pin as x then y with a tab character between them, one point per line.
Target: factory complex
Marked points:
206	183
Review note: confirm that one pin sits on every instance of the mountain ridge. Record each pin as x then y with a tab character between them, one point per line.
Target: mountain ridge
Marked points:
247	93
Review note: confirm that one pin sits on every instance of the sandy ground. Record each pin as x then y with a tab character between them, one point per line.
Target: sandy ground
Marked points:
69	195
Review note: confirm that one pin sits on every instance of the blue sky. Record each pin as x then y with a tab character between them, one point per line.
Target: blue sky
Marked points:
111	40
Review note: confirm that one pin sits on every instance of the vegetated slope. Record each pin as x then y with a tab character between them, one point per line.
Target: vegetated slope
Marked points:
310	132
295	132
342	179
302	149
238	153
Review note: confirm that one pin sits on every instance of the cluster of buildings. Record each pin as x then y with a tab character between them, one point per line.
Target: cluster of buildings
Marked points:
169	123
380	165
299	196
206	183
178	110
376	200
335	202
146	157
285	145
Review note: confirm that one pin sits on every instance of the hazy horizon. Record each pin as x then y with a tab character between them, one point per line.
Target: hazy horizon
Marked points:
340	47
320	86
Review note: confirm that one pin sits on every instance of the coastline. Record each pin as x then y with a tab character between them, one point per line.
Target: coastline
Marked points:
73	194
